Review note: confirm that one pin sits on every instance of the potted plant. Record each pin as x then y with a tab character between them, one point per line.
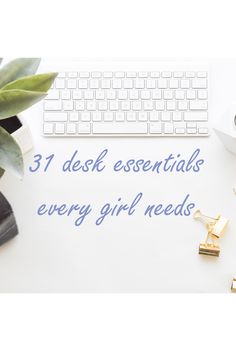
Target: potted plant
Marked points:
20	88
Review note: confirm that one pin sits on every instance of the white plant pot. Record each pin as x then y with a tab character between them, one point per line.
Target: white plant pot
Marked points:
23	135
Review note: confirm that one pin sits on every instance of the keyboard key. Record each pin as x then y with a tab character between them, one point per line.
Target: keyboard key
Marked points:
179	94
59	128
191	125
168	128
174	84
120	128
190	74
177	116
180	125
203	130
179	130
134	94
139	83
107	74
119	74
199	83
182	105
61	75
119	116
162	83
88	95
142	116
53	95
122	94
72	74
71	128
82	83
143	74
195	116
148	105
77	94
79	105
68	105
156	94
145	94
131	116
160	105
96	116
91	105
178	74
184	84
85	116
165	116
94	83
198	105
111	94
136	105
96	74
191	94
131	74
125	105
202	74
170	105
168	94
202	94
53	105
153	116
73	116
105	84
60	83
84	128
48	128
72	84
102	105
151	84
113	105
117	83
108	116
191	130
100	95
155	128
155	74
84	75
128	84
166	74
65	94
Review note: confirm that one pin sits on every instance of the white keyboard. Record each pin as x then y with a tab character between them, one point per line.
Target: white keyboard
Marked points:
127	103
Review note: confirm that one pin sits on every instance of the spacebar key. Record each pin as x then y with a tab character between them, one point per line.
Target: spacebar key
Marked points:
119	128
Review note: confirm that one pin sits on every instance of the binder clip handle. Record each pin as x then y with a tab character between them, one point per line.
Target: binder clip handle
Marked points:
204	218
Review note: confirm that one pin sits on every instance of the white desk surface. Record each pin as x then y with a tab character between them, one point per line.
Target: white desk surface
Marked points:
124	254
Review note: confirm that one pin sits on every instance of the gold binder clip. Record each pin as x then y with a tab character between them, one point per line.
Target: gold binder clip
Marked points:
233	286
209	249
215	227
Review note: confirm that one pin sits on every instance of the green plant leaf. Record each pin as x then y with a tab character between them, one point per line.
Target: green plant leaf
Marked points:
15	101
39	82
11	158
18	68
